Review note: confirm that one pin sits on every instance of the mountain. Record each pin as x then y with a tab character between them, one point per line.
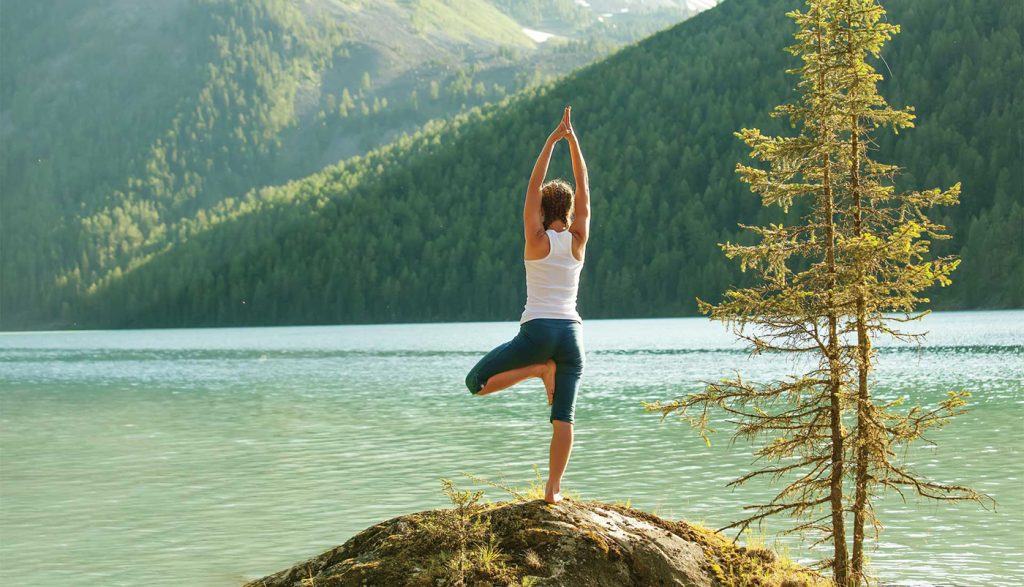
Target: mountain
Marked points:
123	123
428	227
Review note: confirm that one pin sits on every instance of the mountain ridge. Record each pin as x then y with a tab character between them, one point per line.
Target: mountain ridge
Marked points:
125	123
390	236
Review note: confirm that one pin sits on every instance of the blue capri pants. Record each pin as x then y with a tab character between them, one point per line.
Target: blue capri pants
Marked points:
538	340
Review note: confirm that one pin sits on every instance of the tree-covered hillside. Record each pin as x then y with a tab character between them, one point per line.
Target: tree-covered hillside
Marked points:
123	123
428	228
120	119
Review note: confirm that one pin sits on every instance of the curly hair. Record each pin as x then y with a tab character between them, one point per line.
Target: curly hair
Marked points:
556	201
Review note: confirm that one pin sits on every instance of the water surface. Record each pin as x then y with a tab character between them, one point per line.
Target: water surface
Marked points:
213	456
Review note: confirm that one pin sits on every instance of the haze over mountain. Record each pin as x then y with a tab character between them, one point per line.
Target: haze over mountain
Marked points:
427	228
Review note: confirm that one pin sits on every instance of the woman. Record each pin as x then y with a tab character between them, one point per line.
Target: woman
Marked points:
550	340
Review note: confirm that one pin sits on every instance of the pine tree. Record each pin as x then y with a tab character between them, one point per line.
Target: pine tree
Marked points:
884	242
795	307
854	258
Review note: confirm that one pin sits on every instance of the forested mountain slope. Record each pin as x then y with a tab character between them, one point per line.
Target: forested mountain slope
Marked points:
123	122
428	228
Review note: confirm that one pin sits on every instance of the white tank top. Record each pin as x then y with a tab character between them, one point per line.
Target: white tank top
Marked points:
552	282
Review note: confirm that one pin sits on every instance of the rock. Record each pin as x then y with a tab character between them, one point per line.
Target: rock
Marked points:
520	543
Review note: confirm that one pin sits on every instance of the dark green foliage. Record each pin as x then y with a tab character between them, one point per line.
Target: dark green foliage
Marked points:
968	94
124	126
429	227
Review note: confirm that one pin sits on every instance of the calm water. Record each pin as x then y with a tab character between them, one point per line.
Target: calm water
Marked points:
211	456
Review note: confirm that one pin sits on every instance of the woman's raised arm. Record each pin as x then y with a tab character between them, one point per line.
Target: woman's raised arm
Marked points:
533	217
581	220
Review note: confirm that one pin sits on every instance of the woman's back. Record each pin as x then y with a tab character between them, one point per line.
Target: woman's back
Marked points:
553	281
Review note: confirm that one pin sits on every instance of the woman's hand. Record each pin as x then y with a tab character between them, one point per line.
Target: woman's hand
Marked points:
564	128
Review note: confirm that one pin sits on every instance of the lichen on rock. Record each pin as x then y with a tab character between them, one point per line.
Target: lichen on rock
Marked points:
532	543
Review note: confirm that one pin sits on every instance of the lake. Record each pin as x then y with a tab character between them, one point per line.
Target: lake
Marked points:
214	456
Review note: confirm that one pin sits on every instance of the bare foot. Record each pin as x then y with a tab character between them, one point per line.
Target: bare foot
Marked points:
552	496
549	380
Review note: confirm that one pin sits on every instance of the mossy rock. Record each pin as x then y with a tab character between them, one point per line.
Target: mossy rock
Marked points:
573	543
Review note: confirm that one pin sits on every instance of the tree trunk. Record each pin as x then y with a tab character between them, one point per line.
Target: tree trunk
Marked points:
839	565
863	365
839	560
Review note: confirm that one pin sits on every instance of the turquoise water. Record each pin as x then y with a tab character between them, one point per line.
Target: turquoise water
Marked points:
212	456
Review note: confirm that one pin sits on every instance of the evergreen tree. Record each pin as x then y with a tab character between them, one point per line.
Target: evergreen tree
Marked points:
884	244
857	254
795	307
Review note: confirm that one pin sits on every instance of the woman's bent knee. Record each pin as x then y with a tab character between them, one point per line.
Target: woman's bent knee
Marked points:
473	383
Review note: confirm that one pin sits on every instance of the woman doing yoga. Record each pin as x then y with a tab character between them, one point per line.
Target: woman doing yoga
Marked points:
549	345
